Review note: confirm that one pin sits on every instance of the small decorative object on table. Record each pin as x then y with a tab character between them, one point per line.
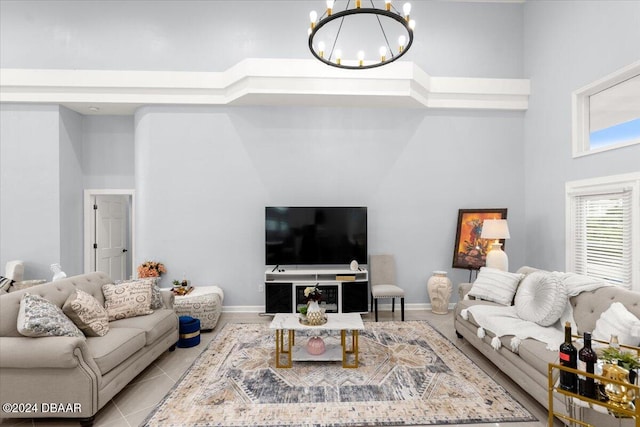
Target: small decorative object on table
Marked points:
58	274
315	315
439	288
151	269
181	288
316	346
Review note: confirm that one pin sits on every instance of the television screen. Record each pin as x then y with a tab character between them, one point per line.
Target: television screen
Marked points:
315	235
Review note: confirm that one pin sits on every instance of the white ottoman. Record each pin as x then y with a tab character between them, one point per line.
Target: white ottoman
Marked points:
204	303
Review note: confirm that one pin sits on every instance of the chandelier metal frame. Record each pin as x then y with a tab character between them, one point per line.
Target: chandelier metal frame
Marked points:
328	17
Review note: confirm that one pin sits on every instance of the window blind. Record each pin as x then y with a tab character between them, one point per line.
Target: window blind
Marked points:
602	231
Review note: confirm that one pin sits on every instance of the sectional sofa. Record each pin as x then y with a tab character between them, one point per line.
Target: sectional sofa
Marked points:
527	363
73	377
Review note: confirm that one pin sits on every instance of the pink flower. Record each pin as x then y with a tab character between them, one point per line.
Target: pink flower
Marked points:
151	269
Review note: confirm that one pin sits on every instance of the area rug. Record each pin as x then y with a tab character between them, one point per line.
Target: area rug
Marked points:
409	374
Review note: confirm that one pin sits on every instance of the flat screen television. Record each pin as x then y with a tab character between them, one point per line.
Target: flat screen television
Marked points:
298	235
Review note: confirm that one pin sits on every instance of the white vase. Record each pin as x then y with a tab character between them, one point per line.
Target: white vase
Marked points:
439	288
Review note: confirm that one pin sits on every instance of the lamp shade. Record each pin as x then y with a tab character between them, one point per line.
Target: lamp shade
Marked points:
495	229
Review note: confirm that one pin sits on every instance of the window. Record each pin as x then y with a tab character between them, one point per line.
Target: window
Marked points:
603	229
606	113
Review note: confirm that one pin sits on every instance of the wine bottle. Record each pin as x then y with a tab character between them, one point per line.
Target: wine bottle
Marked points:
568	358
587	359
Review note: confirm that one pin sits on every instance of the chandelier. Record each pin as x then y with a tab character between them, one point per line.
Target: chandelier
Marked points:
349	29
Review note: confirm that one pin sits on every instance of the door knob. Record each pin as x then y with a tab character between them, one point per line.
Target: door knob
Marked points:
124	250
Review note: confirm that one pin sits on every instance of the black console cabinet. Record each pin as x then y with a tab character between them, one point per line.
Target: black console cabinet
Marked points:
355	297
344	291
278	298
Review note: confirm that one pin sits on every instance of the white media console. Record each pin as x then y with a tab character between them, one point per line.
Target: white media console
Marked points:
344	290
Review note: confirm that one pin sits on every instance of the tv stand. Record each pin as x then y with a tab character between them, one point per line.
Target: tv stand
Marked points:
344	290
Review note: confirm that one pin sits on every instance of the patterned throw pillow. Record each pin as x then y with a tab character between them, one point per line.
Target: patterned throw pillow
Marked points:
5	284
39	317
87	313
127	299
156	296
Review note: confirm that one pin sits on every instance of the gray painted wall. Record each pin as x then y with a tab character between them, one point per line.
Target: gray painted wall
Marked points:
30	187
71	194
203	212
568	45
108	150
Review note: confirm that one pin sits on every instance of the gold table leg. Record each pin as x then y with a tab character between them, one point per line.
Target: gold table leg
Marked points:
281	349
354	348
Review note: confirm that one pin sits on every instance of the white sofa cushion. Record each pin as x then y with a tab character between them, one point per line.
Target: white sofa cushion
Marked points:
114	348
617	320
541	298
495	285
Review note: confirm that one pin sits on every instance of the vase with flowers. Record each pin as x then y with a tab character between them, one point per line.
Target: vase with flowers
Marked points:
151	269
315	315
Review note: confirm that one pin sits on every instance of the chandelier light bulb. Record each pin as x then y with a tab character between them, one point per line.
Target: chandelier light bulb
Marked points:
383	53
321	48
401	42
387	4
412	24
329	7
361	57
406	8
358	4
338	56
313	17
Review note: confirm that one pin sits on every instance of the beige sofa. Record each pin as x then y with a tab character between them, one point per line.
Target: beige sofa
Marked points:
529	366
65	377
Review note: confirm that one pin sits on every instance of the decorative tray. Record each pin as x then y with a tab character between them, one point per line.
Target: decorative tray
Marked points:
304	321
182	291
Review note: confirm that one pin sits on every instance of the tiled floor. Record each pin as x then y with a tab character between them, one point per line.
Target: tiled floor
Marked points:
133	404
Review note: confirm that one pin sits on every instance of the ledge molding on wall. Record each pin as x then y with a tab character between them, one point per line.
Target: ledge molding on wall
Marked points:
261	82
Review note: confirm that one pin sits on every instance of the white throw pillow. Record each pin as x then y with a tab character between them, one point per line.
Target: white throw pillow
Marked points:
541	298
617	320
495	285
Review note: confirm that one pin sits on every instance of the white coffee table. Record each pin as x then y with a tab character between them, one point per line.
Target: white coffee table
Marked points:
343	322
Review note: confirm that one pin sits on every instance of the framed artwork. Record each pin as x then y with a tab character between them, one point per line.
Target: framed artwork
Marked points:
470	251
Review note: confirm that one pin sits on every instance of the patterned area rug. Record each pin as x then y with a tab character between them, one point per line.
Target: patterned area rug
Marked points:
409	374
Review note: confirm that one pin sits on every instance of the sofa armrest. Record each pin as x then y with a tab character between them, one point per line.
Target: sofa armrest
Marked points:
167	298
463	289
43	352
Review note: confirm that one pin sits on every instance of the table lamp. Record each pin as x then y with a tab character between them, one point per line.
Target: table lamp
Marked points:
496	229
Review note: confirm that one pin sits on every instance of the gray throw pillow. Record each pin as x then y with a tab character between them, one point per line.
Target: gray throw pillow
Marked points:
38	317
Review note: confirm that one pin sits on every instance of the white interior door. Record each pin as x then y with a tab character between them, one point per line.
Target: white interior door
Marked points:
111	231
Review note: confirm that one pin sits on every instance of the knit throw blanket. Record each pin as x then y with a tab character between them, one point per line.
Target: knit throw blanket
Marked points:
504	321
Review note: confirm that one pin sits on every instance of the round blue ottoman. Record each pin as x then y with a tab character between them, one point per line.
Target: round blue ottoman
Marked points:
189	332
